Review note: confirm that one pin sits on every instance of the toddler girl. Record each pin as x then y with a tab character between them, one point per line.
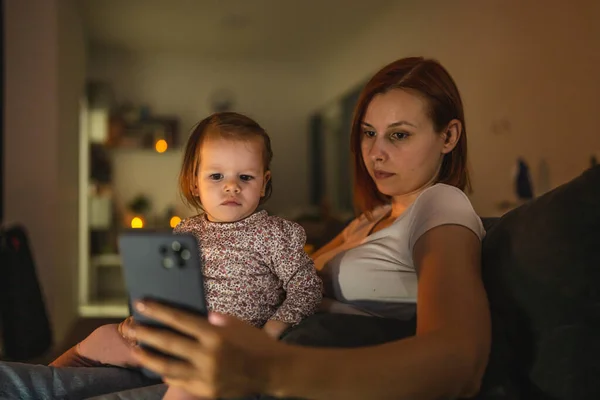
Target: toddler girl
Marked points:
254	264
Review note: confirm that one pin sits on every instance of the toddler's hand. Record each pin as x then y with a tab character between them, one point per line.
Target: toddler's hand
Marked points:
275	328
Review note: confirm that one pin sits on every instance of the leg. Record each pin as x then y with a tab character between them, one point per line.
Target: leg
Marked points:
27	381
104	346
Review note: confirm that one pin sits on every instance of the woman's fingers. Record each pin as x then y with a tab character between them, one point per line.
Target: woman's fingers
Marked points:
168	368
224	356
219	319
179	320
175	382
186	389
168	342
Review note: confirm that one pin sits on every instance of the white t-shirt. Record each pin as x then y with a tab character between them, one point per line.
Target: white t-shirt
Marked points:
375	274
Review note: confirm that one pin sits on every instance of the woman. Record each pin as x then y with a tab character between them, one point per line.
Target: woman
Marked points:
414	248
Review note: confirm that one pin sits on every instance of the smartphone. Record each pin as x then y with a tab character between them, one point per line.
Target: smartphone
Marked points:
163	267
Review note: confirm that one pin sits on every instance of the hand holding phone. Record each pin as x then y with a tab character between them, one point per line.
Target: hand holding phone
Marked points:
165	268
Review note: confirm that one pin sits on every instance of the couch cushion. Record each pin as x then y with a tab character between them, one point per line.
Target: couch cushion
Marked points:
541	268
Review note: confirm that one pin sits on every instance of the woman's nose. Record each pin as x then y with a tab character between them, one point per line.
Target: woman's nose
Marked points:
377	152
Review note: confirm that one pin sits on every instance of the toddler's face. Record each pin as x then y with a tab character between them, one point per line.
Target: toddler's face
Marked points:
231	178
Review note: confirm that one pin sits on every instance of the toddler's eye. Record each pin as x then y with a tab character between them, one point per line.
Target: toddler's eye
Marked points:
246	178
216	177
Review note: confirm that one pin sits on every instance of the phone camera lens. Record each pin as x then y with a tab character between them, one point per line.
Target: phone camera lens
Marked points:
176	246
185	254
162	250
168	263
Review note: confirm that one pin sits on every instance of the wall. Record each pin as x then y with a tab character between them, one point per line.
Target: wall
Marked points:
71	90
528	73
278	95
45	69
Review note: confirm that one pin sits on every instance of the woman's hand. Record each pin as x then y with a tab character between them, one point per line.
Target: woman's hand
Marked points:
222	357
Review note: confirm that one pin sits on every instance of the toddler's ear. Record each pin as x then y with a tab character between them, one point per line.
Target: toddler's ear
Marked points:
266	179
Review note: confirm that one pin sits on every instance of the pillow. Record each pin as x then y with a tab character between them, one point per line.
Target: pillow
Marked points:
541	269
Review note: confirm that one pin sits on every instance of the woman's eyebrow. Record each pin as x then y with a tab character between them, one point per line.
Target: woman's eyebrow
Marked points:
392	125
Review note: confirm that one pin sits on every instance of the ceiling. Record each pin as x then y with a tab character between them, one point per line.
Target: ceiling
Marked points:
235	29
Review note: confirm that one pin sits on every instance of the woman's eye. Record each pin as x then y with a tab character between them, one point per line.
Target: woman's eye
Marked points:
246	178
215	177
399	135
369	134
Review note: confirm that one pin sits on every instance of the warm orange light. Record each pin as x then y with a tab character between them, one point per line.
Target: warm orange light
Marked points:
174	221
161	146
137	222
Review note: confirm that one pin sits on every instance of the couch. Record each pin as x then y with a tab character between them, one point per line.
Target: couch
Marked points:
541	270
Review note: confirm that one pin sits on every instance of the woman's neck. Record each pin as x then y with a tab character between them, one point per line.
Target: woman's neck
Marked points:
402	202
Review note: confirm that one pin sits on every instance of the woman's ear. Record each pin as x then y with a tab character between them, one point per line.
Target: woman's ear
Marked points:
266	179
451	136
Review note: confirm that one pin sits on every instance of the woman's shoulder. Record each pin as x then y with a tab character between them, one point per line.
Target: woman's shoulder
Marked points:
443	196
444	188
443	204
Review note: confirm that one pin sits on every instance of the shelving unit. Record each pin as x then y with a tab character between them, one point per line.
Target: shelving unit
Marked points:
106	308
94	214
105	260
102	217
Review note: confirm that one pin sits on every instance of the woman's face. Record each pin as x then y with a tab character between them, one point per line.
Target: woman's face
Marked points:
400	148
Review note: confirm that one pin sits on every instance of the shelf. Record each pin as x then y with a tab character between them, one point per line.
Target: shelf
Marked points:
105	260
112	307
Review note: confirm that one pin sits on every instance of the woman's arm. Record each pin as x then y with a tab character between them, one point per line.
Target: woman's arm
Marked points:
445	359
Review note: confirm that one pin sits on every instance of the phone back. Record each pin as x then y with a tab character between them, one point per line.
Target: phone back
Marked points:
163	267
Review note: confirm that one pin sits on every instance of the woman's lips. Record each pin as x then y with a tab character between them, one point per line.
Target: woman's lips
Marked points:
382	174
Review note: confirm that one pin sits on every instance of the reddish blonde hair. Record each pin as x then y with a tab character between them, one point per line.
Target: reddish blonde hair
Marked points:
226	125
429	79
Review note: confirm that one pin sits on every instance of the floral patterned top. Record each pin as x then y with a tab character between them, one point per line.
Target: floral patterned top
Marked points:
256	269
